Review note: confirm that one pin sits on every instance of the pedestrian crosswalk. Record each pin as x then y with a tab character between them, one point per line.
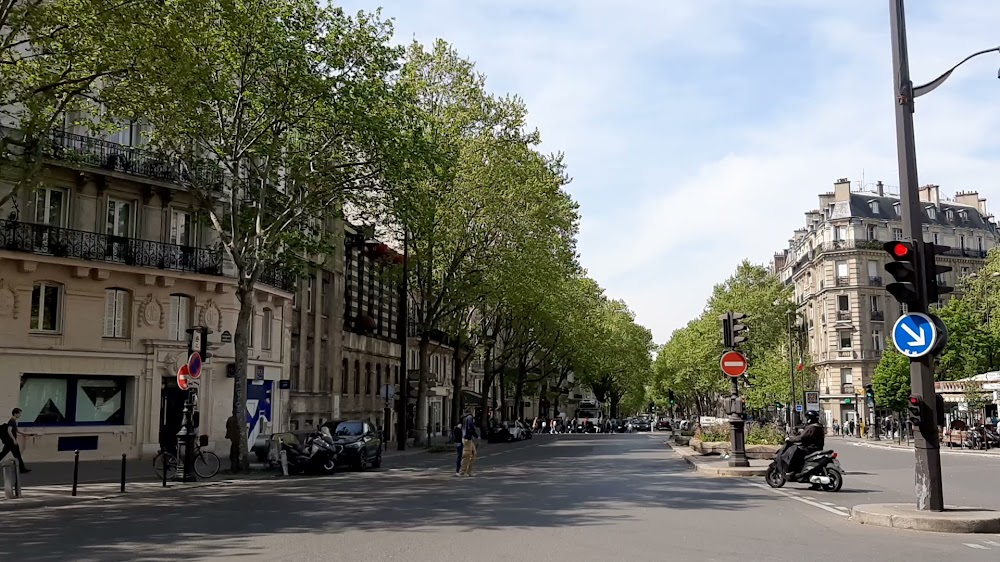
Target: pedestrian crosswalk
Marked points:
984	544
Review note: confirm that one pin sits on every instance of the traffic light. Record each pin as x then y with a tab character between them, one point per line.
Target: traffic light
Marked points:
870	393
903	269
932	270
670	394
732	330
939	403
914	409
411	391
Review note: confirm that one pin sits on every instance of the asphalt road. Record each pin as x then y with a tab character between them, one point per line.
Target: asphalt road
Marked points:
878	474
573	497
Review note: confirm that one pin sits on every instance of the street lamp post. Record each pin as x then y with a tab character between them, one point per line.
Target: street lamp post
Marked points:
927	447
404	322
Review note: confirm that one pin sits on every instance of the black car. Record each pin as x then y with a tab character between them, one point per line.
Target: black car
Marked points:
362	444
641	425
663	425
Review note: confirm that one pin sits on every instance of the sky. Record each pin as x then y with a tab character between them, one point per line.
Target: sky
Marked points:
698	132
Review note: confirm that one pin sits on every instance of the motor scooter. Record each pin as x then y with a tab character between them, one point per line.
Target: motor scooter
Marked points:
820	468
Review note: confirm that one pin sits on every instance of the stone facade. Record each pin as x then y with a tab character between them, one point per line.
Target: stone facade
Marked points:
836	266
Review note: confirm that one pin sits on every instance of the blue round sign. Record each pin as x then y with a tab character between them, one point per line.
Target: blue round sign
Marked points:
194	365
914	334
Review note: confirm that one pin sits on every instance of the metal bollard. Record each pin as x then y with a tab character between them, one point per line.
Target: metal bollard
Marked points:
123	473
11	487
76	470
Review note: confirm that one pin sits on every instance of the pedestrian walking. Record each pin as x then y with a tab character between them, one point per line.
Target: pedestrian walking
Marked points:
8	437
233	435
456	436
469	433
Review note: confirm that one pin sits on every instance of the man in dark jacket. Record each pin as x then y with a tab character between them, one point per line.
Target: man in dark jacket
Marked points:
8	438
469	432
809	441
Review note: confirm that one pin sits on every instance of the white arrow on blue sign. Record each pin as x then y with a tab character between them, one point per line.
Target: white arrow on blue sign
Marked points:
914	334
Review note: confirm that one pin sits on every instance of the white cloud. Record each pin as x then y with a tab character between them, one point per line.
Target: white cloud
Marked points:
606	82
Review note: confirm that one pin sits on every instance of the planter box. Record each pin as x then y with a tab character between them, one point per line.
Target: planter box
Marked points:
765	452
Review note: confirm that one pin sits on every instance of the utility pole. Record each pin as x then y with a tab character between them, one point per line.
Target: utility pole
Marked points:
927	446
404	322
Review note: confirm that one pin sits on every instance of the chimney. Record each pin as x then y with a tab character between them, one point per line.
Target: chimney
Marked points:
972	199
929	194
879	188
842	190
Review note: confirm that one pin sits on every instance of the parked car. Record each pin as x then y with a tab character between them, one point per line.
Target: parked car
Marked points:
362	444
498	433
663	425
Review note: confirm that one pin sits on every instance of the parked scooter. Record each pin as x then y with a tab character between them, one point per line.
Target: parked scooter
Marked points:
820	468
317	454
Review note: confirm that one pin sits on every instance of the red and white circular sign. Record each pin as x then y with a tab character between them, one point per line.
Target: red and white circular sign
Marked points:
733	363
183	379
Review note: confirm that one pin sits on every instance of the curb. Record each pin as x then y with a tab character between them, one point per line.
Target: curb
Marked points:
689	455
905	516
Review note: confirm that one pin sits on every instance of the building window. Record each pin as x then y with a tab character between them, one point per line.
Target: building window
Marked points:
839	234
843	303
46	303
395	375
378	377
895	208
897	234
872	232
842	271
937	240
979	243
846	375
965	271
845	339
119	218
873	205
357	378
931	213
876	303
117	314
344	373
310	285
368	379
873	269
961	241
266	321
877	341
180	317
72	400
950	214
964	215
50	206
181	232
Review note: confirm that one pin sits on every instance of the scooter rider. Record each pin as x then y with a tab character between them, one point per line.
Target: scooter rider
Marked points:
809	441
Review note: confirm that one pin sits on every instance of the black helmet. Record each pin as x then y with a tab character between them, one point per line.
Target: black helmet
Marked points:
812	416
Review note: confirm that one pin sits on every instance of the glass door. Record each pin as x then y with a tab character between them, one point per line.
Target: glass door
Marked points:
119	229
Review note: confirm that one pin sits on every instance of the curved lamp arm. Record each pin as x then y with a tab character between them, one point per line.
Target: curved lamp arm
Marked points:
933	84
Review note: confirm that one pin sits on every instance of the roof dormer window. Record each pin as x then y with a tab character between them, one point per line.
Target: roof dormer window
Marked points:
873	205
963	214
950	214
895	207
932	213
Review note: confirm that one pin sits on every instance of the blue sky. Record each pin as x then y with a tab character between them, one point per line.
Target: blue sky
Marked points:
698	131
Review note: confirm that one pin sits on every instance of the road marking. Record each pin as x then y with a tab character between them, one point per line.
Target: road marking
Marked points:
976	546
992	543
910	449
806	501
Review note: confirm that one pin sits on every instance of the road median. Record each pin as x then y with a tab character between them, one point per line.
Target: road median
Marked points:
712	465
906	516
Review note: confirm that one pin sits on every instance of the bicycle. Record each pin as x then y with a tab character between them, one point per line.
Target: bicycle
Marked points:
206	463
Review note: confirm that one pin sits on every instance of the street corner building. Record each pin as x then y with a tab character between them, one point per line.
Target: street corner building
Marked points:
835	265
103	268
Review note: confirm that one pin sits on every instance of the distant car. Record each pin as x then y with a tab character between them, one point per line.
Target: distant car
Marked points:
664	425
642	425
516	429
498	433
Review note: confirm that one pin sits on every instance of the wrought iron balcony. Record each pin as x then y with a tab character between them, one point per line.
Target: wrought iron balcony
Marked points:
280	278
843	315
111	156
875	281
878	315
843	281
64	242
847	388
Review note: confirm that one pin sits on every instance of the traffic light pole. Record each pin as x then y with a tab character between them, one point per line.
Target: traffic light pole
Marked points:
929	489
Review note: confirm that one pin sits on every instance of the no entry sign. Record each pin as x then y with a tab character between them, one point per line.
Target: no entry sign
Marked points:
733	363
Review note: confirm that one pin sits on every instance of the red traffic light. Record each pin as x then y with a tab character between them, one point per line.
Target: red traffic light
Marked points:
900	250
914	401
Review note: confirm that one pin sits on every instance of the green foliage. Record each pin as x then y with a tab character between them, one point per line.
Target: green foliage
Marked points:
756	434
891	381
972	342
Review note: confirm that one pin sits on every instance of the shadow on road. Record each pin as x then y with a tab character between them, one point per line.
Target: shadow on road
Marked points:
567	481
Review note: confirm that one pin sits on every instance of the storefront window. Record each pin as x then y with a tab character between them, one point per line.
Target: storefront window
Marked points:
72	400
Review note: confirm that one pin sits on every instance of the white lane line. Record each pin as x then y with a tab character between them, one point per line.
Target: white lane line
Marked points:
992	543
806	501
831	504
977	546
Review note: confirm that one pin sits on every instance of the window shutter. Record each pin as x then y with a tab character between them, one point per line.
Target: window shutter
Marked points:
184	312
122	315
175	305
109	313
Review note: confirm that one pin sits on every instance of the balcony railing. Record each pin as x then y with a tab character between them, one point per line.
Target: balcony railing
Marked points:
111	156
966	253
64	242
840	245
847	388
843	315
878	315
875	281
843	281
279	278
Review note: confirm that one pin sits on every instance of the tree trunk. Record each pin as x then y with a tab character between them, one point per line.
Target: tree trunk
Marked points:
519	390
615	402
503	396
484	399
422	410
244	292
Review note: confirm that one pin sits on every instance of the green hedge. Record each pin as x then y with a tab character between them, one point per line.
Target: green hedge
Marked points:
758	434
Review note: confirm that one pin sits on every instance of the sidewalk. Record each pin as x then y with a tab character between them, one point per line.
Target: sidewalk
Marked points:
892	444
713	465
50	484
